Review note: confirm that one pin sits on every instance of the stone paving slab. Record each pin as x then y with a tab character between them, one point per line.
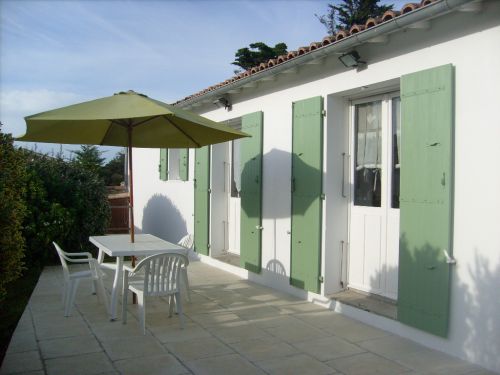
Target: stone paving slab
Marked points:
232	327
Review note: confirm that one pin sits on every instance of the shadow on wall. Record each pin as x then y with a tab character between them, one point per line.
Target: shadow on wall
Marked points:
279	199
482	343
295	178
481	336
163	219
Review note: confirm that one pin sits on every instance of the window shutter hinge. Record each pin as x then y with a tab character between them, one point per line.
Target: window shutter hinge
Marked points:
323	196
209	191
323	112
321	279
208	246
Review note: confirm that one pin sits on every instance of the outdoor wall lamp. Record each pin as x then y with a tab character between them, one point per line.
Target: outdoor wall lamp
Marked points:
351	59
222	103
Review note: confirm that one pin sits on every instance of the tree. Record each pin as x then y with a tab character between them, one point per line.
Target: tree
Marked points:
258	52
113	171
89	157
12	211
66	203
351	12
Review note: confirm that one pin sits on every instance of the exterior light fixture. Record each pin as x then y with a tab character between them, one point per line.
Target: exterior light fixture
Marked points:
222	103
351	59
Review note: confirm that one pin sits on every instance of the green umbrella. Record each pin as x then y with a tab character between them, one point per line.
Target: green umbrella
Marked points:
126	119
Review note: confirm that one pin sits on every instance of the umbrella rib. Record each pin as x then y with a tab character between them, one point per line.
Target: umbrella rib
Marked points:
182	131
146	120
126	124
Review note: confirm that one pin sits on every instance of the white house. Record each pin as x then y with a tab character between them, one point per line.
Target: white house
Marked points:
370	182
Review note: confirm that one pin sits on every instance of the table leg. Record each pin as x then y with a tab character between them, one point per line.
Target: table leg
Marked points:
117	286
100	256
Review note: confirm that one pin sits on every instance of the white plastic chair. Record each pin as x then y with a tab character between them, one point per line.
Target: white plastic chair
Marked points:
154	276
72	279
186	242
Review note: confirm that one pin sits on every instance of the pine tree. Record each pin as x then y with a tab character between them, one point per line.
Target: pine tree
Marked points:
351	12
258	52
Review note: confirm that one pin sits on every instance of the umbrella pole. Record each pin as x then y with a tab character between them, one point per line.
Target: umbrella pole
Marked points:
131	195
131	183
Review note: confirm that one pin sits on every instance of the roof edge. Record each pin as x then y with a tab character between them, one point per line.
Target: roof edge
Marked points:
428	9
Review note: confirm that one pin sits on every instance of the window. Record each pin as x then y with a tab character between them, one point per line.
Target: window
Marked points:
174	164
368	147
377	150
235	169
396	149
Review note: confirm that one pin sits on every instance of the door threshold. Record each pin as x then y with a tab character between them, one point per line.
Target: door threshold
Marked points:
230	258
368	302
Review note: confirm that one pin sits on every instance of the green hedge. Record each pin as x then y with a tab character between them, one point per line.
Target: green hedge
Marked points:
65	202
12	211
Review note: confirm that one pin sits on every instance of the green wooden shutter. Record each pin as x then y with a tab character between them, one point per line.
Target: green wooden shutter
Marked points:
202	200
184	164
426	201
251	193
163	167
307	167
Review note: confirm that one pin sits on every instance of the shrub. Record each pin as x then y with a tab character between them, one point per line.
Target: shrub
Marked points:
12	211
66	203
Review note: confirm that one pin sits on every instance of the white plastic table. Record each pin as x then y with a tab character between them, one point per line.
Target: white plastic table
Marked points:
119	246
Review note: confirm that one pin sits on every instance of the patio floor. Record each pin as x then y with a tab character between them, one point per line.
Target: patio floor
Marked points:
232	327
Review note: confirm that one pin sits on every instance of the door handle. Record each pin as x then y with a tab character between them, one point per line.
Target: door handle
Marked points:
343	175
449	259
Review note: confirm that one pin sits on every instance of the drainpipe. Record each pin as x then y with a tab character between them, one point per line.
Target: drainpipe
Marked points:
418	15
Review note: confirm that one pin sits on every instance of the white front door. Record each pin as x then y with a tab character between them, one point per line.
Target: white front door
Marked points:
374	196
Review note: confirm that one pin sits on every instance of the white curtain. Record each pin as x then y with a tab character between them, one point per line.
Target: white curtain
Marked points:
173	164
237	164
368	121
396	126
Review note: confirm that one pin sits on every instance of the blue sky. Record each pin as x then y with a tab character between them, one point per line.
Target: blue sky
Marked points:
55	53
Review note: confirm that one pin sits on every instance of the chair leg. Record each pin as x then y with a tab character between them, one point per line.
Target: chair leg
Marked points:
64	295
124	305
101	294
185	282
141	302
170	305
93	287
178	301
70	298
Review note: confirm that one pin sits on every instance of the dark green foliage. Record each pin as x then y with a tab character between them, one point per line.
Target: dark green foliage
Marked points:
12	211
113	171
258	52
89	157
350	12
66	201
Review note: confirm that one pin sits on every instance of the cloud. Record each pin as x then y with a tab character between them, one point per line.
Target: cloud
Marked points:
16	104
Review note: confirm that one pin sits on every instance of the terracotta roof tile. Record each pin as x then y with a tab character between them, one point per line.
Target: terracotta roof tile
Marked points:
356	29
341	35
281	59
409	7
314	45
327	40
372	22
389	15
272	62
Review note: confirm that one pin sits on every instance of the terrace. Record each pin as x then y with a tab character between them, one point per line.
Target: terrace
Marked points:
232	326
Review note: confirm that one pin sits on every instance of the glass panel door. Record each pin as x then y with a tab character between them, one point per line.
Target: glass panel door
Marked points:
374	213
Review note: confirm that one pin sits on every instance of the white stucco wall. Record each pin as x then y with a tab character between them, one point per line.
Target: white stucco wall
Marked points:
471	43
